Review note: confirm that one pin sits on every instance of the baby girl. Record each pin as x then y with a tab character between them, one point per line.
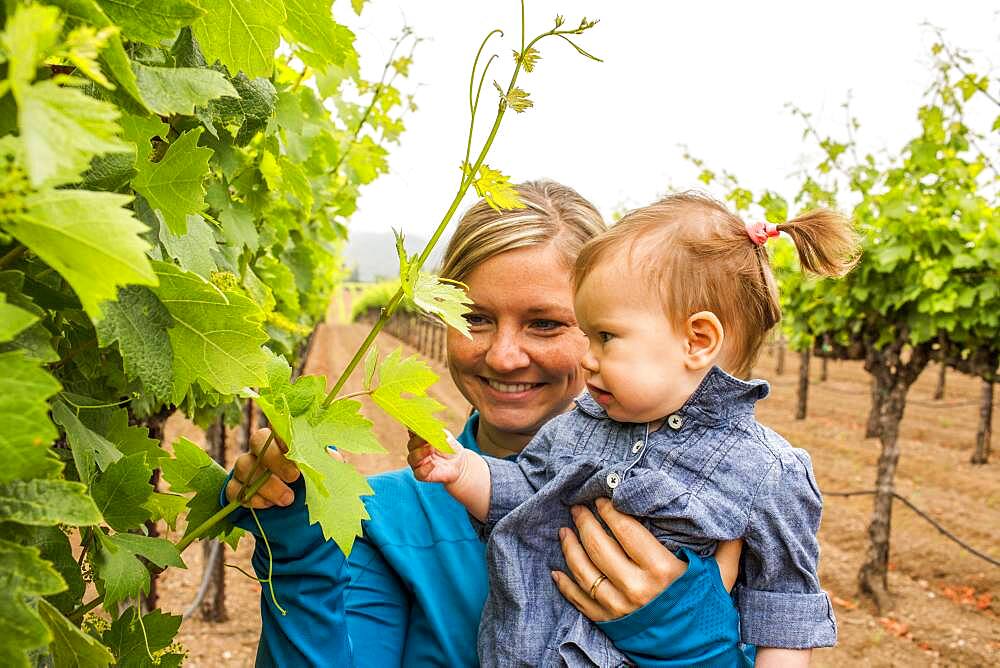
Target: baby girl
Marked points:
676	301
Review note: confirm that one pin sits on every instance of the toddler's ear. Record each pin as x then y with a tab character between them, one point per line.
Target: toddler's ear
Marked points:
704	336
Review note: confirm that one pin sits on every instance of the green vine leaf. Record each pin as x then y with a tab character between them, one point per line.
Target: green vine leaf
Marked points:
178	90
132	641
445	300
13	320
70	646
216	337
297	413
151	21
25	576
495	188
242	34
530	59
121	492
402	394
122	575
517	99
408	269
113	57
27	433
139	324
322	41
90	239
41	502
173	186
62	129
91	451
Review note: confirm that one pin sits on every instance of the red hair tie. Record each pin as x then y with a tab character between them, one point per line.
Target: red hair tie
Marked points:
760	232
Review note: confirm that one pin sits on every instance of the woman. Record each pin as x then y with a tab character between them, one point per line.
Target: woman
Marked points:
520	368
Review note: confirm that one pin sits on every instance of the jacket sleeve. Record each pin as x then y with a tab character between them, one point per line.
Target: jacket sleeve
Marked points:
309	576
693	622
378	608
779	597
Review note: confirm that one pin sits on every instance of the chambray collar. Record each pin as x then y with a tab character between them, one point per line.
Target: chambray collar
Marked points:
719	397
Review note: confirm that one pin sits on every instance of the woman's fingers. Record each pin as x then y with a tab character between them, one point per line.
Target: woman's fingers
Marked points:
273	458
637	541
603	550
273	492
727	555
580	599
586	573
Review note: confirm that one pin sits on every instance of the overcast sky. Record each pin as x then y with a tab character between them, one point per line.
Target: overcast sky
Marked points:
715	76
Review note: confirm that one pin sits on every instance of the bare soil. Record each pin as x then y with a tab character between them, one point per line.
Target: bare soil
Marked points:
946	600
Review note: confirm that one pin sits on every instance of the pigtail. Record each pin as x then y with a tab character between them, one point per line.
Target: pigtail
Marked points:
825	240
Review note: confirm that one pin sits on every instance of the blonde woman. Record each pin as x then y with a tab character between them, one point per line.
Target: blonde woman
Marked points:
413	589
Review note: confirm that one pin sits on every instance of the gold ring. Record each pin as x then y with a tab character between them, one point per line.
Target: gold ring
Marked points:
597	583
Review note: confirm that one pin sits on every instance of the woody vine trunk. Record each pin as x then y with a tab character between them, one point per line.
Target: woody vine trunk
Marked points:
981	455
803	396
893	376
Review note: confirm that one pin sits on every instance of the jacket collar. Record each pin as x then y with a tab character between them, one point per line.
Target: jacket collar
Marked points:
719	397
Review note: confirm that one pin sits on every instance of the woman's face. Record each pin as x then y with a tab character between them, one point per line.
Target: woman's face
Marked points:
522	365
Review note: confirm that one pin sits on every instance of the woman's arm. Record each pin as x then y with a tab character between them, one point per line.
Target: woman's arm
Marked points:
328	600
651	603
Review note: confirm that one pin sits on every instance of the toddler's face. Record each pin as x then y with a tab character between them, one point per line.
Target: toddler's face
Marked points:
636	361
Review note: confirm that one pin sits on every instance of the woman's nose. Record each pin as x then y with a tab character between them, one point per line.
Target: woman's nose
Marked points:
506	353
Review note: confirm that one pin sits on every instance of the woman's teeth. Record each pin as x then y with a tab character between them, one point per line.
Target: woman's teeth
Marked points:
509	387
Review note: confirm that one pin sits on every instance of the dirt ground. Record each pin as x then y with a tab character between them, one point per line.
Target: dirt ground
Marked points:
946	610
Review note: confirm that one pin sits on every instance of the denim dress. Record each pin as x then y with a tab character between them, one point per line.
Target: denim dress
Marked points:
710	473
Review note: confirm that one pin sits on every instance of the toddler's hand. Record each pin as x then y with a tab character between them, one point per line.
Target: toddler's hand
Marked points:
429	465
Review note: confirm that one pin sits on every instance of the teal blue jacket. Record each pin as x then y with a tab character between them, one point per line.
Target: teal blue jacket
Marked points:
412	591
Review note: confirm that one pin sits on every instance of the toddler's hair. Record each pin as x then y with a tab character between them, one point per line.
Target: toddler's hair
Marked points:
699	257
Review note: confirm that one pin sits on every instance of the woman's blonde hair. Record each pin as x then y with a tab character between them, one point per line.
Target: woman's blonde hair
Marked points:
553	213
699	257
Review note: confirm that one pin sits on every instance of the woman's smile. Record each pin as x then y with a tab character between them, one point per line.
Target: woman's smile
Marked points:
510	391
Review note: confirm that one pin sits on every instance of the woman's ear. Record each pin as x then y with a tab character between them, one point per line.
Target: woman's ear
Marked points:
703	340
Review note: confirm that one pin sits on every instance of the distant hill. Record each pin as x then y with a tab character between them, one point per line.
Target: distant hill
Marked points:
372	256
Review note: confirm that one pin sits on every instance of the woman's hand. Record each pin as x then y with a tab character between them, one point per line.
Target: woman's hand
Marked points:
629	568
275	491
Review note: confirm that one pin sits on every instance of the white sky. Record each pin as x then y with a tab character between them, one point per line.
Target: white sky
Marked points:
713	75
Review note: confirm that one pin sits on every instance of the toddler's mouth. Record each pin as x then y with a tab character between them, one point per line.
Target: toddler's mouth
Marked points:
599	395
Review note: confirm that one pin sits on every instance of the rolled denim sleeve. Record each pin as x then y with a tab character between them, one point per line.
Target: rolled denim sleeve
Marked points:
779	597
512	482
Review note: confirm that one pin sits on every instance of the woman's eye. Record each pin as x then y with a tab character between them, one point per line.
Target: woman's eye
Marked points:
475	319
546	325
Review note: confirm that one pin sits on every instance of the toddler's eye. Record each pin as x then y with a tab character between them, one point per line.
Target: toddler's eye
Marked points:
605	336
